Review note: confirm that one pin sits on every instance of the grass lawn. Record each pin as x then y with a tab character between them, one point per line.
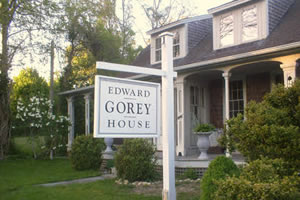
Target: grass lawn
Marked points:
19	178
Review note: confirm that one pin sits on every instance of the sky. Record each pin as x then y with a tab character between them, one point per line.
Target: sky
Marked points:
140	27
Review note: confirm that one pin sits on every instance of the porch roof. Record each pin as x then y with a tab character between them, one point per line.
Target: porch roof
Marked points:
79	91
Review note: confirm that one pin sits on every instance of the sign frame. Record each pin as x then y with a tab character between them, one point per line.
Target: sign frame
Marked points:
98	129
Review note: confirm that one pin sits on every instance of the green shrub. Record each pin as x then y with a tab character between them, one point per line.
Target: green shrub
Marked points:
204	128
260	180
135	160
189	173
86	152
271	128
218	169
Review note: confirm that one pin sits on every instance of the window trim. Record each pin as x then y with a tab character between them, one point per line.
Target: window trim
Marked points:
262	23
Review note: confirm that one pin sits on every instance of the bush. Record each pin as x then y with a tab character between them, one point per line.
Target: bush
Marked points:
272	127
218	169
189	174
261	180
86	152
135	160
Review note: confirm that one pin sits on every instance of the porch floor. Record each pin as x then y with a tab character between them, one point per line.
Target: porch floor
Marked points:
193	161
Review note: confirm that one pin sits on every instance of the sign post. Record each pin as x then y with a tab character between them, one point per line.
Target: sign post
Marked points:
169	191
120	113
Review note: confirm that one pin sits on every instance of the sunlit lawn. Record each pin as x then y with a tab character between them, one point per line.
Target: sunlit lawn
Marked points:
19	178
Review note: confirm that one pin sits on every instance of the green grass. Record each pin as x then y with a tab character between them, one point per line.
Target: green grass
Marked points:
19	178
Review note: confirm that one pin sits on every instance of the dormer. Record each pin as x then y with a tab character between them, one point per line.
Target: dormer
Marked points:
238	22
179	42
187	32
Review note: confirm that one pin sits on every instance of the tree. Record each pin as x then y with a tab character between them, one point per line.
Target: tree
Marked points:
27	84
271	128
19	19
159	14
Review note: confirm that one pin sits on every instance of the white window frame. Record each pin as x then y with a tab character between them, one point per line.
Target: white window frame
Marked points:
262	23
182	31
157	50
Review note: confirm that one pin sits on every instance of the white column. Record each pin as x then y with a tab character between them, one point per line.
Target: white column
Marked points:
226	76
71	115
169	191
180	117
87	100
289	73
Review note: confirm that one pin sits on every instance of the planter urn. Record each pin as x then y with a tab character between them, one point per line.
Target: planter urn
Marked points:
203	144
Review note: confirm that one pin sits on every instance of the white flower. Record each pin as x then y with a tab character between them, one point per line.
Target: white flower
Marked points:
51	136
54	148
43	147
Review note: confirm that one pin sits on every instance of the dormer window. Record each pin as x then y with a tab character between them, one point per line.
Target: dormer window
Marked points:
179	44
176	45
226	31
249	24
234	26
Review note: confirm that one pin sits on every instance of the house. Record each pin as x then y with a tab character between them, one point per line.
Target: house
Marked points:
224	60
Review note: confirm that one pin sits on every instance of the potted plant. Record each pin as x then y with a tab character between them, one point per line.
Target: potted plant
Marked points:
203	131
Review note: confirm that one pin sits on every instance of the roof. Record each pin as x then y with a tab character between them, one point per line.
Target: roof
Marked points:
286	31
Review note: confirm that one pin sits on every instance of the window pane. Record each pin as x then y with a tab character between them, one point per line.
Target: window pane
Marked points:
158	43
249	24
158	55
176	46
226	31
176	51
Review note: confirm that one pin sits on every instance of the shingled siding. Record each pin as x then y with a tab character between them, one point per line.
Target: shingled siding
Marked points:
277	9
216	102
197	30
257	86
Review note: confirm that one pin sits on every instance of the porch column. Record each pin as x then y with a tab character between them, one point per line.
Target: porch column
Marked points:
87	100
180	117
226	76
71	115
289	73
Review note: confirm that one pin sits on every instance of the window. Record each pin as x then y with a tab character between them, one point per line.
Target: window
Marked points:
240	25
249	24
176	45
194	97
236	98
158	49
226	31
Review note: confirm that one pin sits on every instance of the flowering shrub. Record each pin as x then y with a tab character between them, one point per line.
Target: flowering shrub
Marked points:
36	116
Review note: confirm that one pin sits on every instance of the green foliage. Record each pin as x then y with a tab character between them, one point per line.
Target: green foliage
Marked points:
26	85
218	169
204	128
86	152
135	160
35	116
263	179
189	174
271	128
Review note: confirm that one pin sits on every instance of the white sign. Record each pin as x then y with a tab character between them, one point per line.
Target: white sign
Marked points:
126	108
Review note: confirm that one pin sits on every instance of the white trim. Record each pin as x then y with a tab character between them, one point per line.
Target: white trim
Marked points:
227	6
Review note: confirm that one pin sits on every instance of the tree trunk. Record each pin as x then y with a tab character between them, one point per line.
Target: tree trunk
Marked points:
4	94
